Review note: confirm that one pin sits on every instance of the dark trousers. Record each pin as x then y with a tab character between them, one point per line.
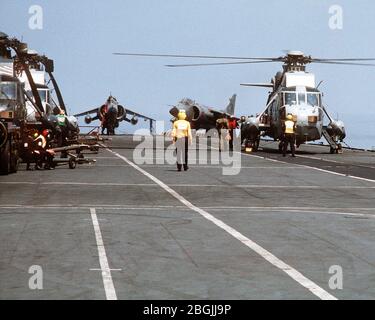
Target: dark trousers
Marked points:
61	137
182	148
43	157
289	138
231	139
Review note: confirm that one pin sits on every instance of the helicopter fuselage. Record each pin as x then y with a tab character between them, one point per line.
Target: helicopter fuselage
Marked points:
304	104
296	95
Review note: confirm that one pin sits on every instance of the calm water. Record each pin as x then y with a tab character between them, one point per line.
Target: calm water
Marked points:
360	131
362	141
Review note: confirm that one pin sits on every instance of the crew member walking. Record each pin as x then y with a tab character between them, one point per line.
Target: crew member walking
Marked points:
289	129
181	135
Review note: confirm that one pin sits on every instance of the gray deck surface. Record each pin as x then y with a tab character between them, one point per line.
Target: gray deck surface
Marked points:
298	209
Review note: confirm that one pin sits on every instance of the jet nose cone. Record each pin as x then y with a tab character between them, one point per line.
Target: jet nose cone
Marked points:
112	109
174	111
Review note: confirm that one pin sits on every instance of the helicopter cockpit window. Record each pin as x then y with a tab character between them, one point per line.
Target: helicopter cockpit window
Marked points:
43	95
301	98
8	90
290	98
313	99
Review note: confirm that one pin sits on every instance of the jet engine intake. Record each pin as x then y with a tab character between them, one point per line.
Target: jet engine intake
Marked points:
121	113
196	113
88	119
134	120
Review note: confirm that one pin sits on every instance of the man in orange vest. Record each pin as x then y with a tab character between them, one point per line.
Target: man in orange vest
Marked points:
232	125
181	135
289	137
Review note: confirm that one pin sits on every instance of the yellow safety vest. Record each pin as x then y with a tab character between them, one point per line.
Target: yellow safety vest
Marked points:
181	129
289	126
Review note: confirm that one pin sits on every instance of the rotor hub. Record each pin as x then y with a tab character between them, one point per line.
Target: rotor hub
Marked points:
295	61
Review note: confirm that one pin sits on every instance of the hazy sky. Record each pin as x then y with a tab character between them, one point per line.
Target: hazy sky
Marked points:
81	36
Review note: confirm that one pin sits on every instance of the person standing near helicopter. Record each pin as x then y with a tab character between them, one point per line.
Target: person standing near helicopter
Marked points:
62	129
289	135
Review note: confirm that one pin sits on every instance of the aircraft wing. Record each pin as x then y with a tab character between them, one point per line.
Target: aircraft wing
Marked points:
133	113
222	114
86	112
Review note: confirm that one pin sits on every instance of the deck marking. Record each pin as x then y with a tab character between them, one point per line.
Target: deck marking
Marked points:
310	167
213	166
109	288
345	164
293	211
102	184
302	166
99	269
124	207
293	273
245	186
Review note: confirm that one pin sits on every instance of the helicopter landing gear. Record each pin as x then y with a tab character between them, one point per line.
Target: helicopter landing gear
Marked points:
336	150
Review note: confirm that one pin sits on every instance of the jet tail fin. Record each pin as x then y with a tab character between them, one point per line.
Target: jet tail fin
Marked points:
230	107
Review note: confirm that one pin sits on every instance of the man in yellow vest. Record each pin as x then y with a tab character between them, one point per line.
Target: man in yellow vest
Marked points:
181	135
289	137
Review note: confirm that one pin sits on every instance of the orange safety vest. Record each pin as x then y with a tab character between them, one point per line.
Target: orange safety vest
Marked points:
232	124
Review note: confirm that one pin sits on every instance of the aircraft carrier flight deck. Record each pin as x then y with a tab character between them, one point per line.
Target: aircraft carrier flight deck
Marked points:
282	228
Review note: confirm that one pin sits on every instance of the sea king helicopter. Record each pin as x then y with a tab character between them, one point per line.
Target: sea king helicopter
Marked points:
293	91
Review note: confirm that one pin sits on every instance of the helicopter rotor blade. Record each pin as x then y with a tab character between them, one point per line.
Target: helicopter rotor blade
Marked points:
245	60
346	63
191	56
214	64
342	60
